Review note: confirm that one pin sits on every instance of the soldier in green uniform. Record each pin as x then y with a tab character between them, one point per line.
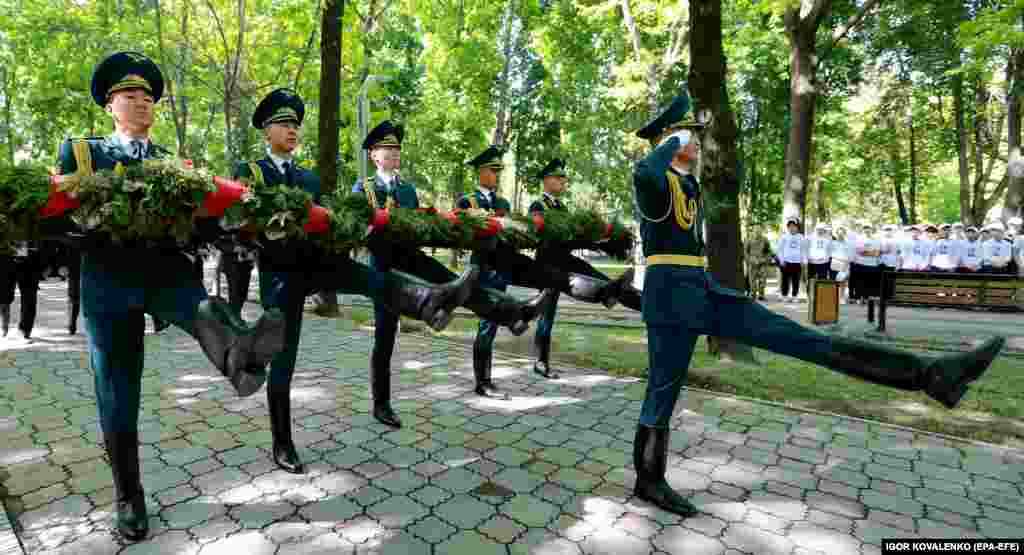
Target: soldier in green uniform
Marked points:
290	271
681	301
554	180
120	283
391	191
760	261
503	266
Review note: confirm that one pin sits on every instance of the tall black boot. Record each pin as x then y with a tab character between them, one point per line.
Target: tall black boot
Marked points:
380	388
542	367
285	454
433	304
593	290
650	456
482	372
506	310
5	319
123	450
944	378
239	351
72	312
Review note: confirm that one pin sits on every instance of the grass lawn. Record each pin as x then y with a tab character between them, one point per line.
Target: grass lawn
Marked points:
992	411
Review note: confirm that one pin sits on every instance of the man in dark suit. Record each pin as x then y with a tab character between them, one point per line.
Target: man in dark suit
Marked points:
290	270
22	267
681	301
384	142
120	283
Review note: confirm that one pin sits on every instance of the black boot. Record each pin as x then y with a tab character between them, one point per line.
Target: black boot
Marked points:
542	346
160	325
629	296
132	520
72	312
944	378
433	304
380	388
593	290
650	456
5	319
281	429
240	352
482	373
506	310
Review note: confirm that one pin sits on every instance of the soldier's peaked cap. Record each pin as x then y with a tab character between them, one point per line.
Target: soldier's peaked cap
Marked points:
385	134
489	158
123	71
675	116
555	167
279	106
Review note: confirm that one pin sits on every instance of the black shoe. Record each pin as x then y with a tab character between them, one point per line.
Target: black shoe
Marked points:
650	454
950	375
386	415
544	370
241	353
285	455
132	519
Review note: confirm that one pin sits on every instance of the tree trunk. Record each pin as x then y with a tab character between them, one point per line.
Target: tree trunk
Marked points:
912	211
1014	201
330	110
802	97
719	156
966	215
6	78
504	85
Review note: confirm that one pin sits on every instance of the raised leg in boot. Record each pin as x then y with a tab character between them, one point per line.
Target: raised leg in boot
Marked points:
944	378
239	351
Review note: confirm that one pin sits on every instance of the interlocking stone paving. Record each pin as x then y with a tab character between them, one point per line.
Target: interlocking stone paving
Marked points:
547	471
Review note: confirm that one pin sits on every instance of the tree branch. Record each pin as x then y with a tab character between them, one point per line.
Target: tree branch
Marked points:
309	49
844	29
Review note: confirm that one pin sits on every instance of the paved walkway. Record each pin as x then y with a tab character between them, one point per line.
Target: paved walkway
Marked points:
546	471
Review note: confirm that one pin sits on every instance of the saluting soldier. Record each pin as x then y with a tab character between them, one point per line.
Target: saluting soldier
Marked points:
682	301
554	180
390	190
120	283
290	271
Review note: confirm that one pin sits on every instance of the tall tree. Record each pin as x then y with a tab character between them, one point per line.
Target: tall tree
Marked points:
329	124
719	155
802	20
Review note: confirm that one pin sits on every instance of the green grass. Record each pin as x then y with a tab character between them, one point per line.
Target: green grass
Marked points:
992	411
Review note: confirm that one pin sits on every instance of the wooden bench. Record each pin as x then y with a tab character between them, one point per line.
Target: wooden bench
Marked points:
934	289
